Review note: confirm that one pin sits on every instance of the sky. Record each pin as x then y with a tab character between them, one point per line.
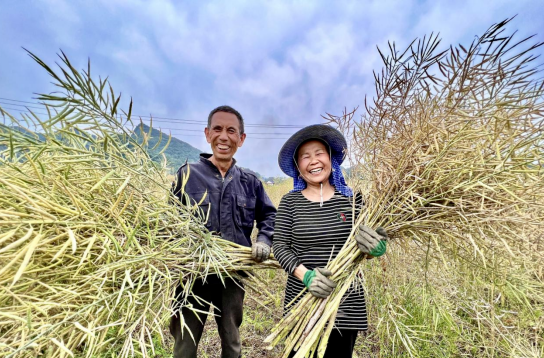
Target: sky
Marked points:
281	64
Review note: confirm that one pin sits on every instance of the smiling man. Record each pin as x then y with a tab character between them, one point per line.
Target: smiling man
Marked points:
233	200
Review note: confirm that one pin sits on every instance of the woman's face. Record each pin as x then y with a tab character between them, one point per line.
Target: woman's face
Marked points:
314	162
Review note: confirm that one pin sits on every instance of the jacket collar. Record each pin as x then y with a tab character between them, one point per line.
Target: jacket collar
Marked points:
205	158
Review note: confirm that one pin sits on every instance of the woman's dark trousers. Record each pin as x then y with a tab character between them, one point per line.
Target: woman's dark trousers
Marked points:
341	344
228	301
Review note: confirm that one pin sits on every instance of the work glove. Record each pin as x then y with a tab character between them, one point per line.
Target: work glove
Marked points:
371	242
260	251
318	283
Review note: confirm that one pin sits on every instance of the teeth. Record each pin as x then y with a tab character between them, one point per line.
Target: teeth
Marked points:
316	170
222	147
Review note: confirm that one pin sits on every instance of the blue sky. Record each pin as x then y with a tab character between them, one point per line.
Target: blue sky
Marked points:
277	62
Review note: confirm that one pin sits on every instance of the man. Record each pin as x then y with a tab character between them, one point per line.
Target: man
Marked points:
233	199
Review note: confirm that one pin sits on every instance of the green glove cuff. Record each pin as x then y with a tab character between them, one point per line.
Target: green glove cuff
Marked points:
308	278
379	250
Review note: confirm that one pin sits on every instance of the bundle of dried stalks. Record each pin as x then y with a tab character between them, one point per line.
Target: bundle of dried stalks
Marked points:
90	247
449	158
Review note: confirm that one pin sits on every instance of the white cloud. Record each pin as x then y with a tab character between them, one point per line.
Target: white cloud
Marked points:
276	61
324	52
271	80
66	13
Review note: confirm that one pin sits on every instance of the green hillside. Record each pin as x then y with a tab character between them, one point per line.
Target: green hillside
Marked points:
177	152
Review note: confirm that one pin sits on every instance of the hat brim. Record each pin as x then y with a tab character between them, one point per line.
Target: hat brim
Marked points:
331	136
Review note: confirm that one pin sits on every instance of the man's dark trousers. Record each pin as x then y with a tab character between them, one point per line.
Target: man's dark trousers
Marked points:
228	301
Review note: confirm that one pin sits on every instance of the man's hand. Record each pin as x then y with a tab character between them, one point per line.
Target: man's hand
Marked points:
371	242
260	251
318	283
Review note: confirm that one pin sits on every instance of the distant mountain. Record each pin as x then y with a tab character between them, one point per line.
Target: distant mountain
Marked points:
26	132
177	153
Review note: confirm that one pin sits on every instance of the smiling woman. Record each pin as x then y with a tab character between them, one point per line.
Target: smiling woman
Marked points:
314	221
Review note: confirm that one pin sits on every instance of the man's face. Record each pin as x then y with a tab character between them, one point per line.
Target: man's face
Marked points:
224	135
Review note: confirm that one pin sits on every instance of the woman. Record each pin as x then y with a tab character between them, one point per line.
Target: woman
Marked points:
314	221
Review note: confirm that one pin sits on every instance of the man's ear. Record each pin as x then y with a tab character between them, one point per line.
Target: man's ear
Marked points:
242	139
207	133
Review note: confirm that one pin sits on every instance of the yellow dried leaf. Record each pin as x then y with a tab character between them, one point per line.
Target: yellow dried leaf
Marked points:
26	260
62	346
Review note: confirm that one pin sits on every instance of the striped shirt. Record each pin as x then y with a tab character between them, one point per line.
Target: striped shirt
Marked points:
308	234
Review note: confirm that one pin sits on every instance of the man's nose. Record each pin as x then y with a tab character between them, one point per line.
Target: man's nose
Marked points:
224	135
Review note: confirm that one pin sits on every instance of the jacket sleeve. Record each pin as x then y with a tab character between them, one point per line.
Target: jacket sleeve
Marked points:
265	215
283	238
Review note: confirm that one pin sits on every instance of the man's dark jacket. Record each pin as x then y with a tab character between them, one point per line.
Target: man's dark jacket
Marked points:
234	202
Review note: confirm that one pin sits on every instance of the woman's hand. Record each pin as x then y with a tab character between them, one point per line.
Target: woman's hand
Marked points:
318	283
370	242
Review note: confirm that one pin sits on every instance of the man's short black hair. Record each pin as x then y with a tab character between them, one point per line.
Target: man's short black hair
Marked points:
227	109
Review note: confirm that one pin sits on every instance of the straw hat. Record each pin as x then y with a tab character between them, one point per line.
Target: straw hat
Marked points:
322	132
